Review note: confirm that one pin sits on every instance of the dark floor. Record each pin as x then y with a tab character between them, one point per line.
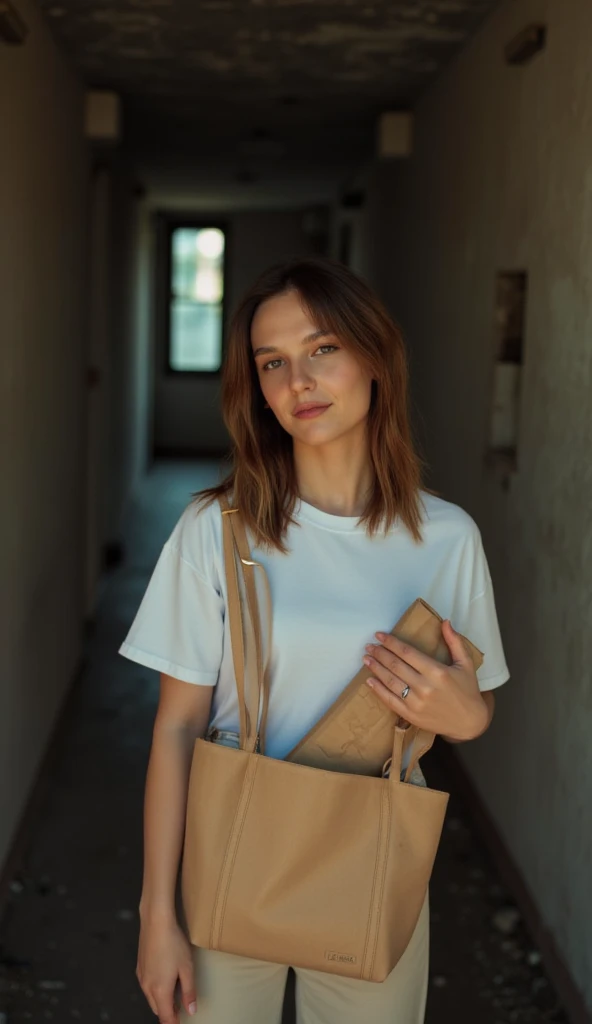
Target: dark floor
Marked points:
68	937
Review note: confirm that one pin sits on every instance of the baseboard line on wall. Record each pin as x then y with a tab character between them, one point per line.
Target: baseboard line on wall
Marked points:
565	985
43	780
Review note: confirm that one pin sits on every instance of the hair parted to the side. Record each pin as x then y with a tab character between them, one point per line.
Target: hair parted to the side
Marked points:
262	482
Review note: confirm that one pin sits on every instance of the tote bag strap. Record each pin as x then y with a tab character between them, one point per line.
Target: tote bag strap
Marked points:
262	670
235	617
253	688
421	743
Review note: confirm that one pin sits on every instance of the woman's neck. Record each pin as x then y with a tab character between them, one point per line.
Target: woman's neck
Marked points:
335	478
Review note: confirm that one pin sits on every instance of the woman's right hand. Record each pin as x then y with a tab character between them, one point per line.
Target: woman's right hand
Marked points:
165	957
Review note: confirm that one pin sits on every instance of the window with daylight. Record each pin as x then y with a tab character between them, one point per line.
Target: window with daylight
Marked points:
196	261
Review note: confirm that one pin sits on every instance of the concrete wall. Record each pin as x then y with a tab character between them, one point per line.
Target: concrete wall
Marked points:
43	181
118	413
129	346
501	179
187	408
140	411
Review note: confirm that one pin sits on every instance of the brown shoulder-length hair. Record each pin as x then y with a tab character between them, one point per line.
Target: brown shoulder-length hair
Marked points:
262	481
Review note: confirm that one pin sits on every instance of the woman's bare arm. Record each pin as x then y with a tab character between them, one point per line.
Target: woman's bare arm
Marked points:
164	952
182	716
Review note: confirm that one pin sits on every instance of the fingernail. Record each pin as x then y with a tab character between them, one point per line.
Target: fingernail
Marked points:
370	647
370	683
192	1008
380	636
368	661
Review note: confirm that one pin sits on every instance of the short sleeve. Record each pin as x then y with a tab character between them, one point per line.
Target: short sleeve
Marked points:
482	628
179	626
480	623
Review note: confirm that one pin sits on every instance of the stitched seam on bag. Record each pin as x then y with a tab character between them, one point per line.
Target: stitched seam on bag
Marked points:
380	900
237	842
223	871
372	891
241	825
378	890
226	867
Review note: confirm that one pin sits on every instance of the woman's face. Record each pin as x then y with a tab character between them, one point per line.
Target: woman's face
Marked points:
315	387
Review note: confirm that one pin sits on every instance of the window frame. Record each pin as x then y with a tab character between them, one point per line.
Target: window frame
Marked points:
172	224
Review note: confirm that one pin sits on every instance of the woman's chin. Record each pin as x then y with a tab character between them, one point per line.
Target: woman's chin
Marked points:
315	435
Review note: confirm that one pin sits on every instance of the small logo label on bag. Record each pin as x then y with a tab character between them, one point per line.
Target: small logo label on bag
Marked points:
342	958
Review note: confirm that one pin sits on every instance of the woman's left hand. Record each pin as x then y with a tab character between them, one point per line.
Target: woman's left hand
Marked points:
443	699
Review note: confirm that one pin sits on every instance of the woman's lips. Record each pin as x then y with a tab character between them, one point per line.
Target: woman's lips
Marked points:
308	412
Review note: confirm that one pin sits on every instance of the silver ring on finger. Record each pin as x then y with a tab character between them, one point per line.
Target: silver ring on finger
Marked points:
405	691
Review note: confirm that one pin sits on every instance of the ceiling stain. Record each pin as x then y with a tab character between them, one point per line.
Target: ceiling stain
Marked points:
203	75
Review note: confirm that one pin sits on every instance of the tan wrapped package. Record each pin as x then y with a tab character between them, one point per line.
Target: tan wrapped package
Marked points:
356	734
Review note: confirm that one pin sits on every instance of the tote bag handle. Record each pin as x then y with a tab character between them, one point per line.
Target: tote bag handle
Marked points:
252	686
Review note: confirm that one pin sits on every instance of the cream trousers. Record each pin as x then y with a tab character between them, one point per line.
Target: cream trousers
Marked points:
237	990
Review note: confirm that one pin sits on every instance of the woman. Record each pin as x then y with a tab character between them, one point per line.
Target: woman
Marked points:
329	487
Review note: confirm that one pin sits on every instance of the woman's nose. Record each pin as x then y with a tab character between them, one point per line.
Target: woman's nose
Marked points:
300	380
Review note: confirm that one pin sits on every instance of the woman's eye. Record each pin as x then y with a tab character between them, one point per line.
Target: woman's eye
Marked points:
322	349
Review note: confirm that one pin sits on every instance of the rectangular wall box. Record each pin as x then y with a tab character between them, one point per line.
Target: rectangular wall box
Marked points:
102	122
526	44
394	135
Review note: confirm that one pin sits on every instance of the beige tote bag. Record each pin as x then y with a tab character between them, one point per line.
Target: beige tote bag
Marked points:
293	864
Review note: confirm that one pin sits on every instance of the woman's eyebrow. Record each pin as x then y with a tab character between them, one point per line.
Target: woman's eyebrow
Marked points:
265	349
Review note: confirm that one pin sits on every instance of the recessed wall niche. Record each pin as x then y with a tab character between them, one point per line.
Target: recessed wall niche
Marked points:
510	318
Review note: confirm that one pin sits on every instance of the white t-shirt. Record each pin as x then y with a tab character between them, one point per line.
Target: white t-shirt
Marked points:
334	589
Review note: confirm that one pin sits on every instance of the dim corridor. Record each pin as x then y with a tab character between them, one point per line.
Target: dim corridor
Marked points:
68	936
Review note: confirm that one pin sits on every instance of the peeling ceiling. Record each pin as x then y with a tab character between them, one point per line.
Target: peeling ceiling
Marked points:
249	89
